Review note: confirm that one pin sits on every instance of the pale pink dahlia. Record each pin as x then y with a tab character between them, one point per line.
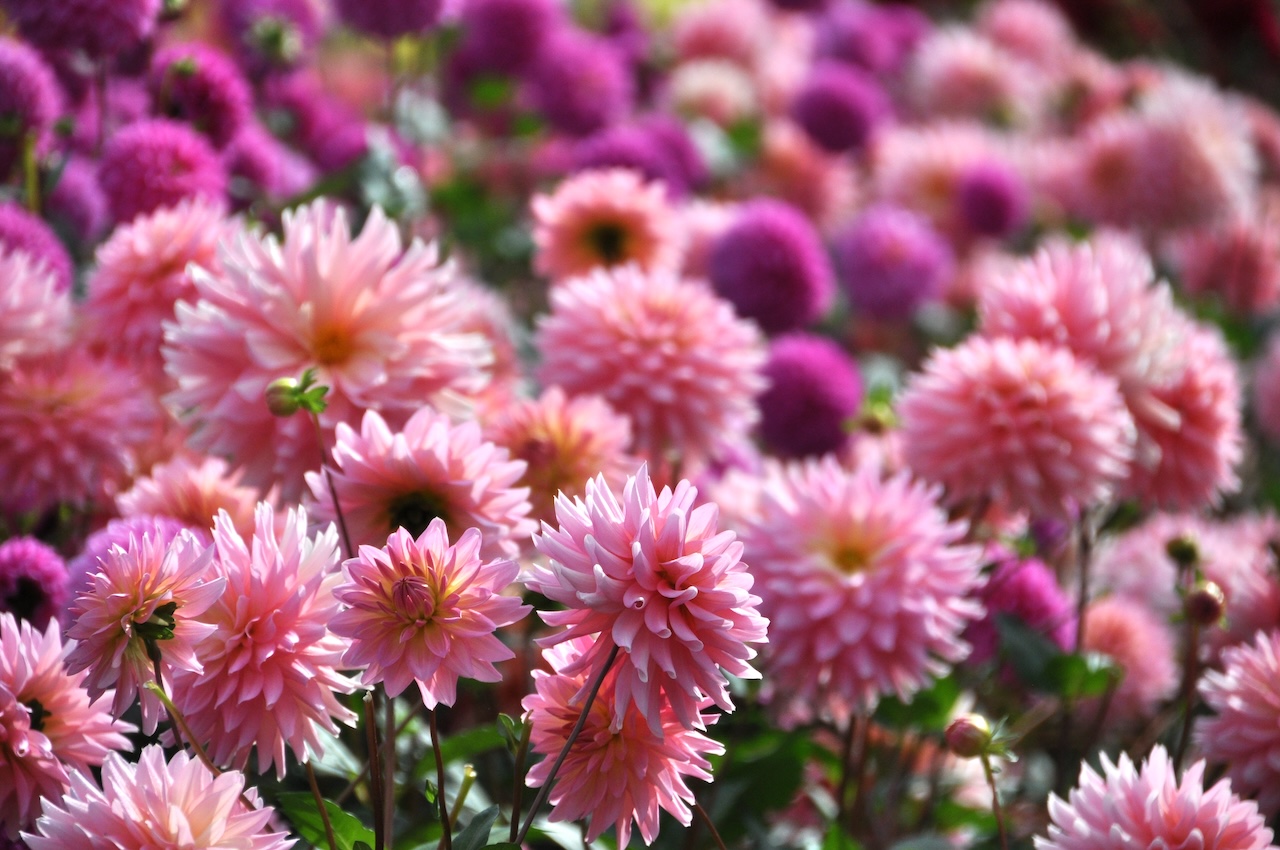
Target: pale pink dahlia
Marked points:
564	442
625	766
1244	733
140	612
270	665
380	326
1127	807
155	804
426	610
434	468
48	730
1239	262
603	218
867	586
665	352
35	313
1022	423
141	272
650	575
1141	645
191	489
956	72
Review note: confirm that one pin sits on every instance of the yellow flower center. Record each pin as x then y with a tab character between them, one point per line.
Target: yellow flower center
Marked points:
331	345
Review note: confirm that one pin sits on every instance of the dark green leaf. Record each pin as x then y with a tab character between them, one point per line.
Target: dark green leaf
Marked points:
464	745
1028	652
503	845
837	839
512	731
928	710
475	836
300	808
1076	676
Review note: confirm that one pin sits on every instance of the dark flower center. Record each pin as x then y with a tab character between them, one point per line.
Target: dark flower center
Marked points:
414	511
27	598
38	714
610	242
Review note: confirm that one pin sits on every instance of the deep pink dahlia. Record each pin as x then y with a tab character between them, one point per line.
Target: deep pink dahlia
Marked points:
270	664
866	584
1126	807
426	610
434	468
35	312
665	352
33	581
157	163
98	27
623	767
1022	423
142	602
650	575
203	87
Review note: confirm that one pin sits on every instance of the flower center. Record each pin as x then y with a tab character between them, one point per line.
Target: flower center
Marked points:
37	715
331	345
414	598
609	240
414	511
27	597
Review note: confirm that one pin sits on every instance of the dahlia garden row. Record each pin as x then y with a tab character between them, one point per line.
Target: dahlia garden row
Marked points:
505	424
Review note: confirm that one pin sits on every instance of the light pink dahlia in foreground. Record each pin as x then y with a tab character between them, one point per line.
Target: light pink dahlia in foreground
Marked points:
621	768
270	665
191	489
433	469
1019	422
1127	806
602	218
381	325
48	729
1244	733
650	575
426	610
867	586
665	352
154	804
35	313
140	611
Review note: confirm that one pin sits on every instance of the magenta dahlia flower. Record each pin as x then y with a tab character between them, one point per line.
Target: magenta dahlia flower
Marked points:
22	231
157	804
866	584
35	312
33	581
157	163
650	575
101	28
621	768
30	102
270	663
425	611
1127	806
203	87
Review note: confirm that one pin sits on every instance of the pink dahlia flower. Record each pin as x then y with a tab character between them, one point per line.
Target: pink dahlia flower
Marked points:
157	804
794	169
564	442
35	313
141	272
426	610
1141	644
1239	262
623	767
1244	733
434	468
48	730
380	326
650	575
142	603
602	219
1033	30
866	584
1126	806
270	663
956	72
665	352
1024	424
192	490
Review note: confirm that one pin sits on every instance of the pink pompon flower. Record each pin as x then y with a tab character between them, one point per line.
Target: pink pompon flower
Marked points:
665	352
1126	807
35	313
650	575
191	489
142	603
621	768
270	664
1022	423
958	73
1239	262
605	218
48	729
379	324
866	584
426	610
1141	645
157	804
1244	733
434	468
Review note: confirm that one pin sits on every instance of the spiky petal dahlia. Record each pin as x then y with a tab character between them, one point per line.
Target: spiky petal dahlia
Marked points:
1244	734
866	585
1022	423
426	610
142	605
35	313
1126	806
379	326
650	575
620	769
191	489
665	352
434	468
157	804
270	665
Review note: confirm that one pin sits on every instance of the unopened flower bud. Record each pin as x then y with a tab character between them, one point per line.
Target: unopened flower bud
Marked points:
1183	550
282	397
969	736
1206	604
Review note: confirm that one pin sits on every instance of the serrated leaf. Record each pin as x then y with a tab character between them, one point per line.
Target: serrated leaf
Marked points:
300	808
475	836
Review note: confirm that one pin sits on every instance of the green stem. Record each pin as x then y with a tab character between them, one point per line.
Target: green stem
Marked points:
31	171
324	810
706	818
468	779
333	491
375	771
995	801
446	840
522	753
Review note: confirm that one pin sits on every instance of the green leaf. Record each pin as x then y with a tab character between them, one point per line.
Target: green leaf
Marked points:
512	732
475	836
837	839
1087	675
300	808
464	745
1028	652
502	845
928	710
759	781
